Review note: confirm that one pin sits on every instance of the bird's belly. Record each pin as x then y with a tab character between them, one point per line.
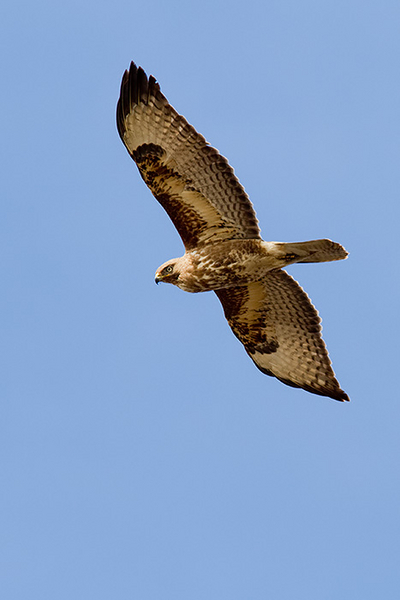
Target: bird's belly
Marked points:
228	264
218	274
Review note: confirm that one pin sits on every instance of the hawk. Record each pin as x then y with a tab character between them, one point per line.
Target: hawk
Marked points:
266	308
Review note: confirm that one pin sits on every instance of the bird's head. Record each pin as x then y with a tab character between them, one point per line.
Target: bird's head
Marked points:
168	273
179	272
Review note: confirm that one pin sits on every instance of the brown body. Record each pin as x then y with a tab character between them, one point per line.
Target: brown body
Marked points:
232	263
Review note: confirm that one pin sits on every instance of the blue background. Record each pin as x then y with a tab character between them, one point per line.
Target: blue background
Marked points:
143	456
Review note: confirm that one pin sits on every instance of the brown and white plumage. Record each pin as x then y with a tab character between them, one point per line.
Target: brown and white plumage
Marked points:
280	330
191	180
266	308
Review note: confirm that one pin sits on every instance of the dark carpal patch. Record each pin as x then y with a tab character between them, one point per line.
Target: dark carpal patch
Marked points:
248	326
144	151
253	336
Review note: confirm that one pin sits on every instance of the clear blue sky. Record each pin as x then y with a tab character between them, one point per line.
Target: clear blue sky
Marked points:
143	456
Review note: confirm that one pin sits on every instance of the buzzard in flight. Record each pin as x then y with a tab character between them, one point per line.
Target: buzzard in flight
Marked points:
266	308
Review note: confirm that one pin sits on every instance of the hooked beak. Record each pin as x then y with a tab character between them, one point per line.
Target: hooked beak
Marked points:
157	280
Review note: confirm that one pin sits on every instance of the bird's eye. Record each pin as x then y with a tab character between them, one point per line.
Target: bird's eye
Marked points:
169	269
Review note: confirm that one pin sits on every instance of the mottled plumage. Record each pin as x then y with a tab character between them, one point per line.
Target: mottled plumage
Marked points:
266	308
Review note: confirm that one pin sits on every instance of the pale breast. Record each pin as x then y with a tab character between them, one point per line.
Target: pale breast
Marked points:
222	265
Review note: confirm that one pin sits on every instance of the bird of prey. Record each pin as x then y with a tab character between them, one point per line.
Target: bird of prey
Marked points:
266	308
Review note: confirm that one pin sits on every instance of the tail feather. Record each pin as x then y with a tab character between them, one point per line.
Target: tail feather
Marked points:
315	251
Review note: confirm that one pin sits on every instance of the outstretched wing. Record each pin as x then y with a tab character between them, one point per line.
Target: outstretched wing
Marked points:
191	180
280	330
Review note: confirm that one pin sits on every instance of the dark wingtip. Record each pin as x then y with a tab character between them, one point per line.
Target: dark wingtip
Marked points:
123	103
136	88
339	395
128	95
342	397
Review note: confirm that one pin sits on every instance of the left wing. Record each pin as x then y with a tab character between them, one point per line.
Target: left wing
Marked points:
191	180
281	332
